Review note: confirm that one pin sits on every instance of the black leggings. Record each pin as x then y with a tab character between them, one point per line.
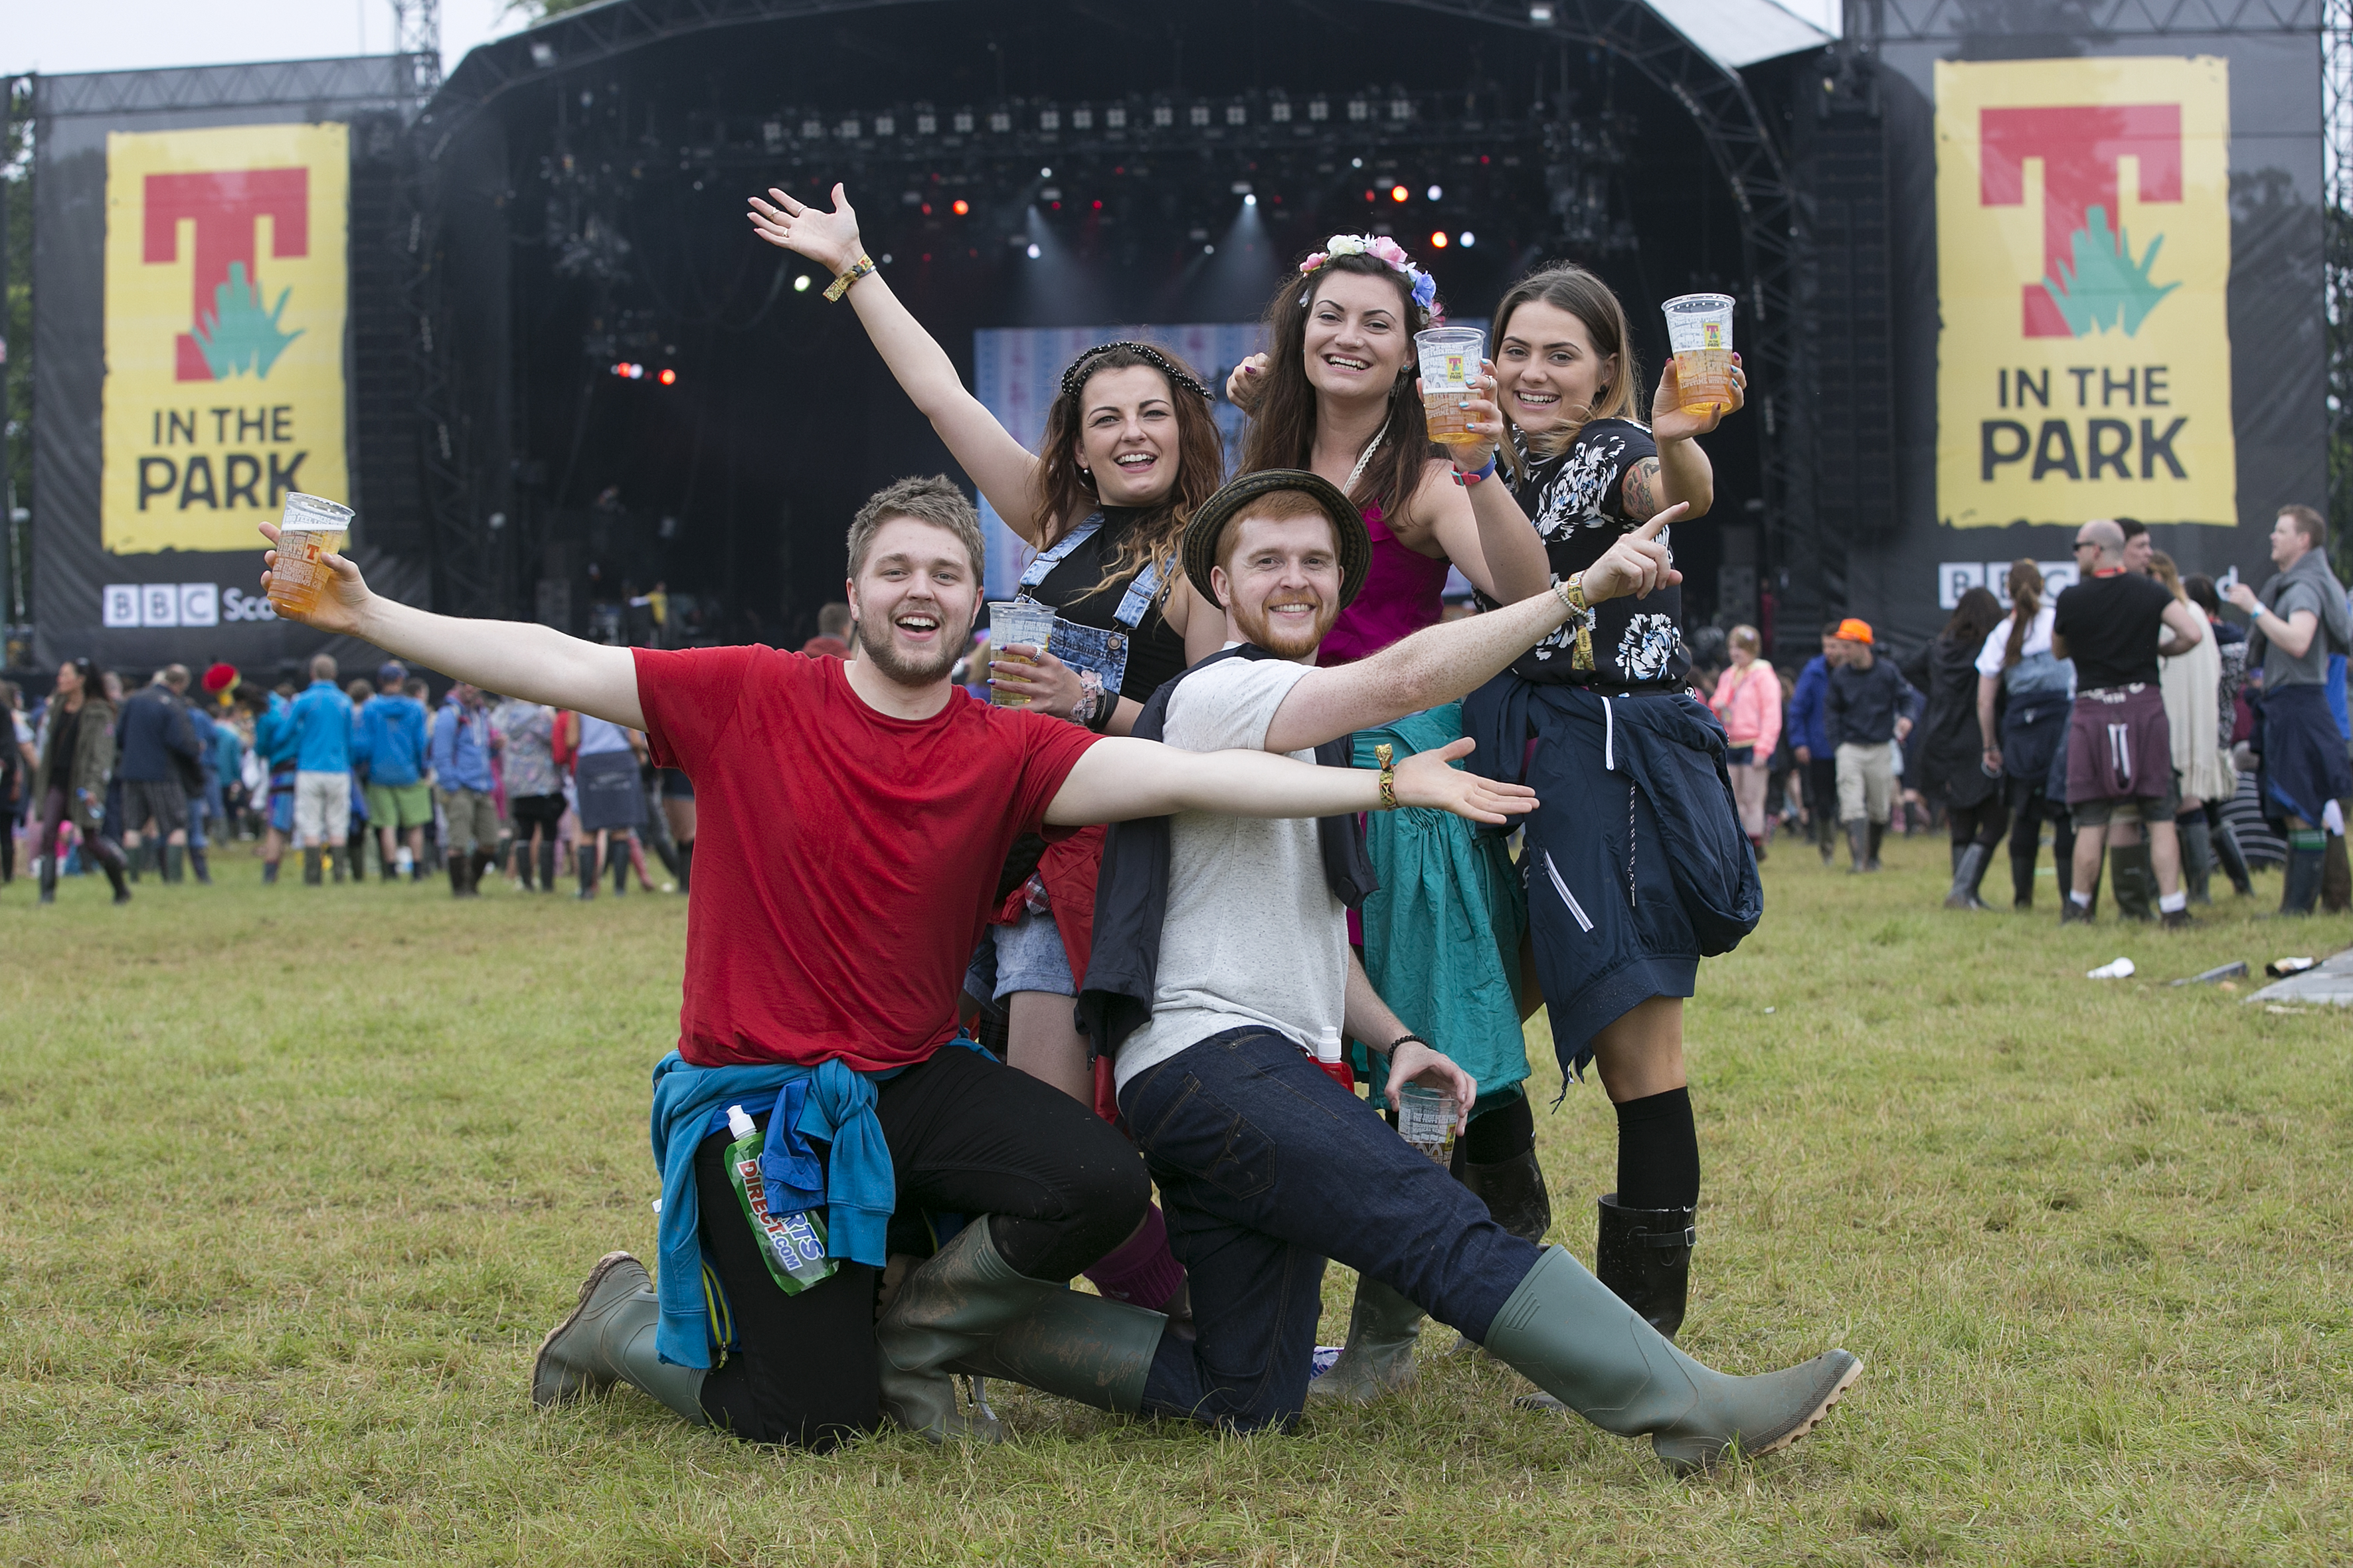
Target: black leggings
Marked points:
1503	1133
1056	1184
1980	823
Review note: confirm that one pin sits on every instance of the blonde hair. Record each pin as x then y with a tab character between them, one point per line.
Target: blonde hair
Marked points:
1746	639
2162	567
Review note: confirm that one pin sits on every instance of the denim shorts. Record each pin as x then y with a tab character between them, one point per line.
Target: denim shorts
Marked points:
1030	957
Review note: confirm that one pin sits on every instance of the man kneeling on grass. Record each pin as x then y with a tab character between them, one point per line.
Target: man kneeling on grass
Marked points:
1220	953
812	775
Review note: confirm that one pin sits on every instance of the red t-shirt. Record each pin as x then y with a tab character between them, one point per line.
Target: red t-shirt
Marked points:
845	861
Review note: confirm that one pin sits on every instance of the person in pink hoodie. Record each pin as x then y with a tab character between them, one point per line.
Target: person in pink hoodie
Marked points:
1748	700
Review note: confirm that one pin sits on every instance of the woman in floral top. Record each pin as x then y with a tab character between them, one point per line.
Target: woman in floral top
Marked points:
1636	864
534	788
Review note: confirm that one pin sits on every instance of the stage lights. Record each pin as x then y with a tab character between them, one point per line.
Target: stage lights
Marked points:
801	283
1398	192
1436	193
668	377
1438	240
631	370
960	206
1034	252
1250	201
1468	240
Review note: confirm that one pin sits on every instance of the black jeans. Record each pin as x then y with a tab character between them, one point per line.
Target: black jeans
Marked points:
1057	1185
1980	823
1266	1168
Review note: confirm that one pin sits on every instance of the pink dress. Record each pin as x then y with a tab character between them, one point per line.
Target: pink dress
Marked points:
1401	594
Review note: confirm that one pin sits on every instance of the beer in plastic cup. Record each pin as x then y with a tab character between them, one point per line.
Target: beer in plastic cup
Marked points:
1449	372
1699	331
311	529
1024	621
1425	1118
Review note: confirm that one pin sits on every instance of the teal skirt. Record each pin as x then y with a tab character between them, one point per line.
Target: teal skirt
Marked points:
1442	935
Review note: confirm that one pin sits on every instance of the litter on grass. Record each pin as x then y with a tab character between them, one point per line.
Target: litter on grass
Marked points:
2281	968
2230	971
2121	969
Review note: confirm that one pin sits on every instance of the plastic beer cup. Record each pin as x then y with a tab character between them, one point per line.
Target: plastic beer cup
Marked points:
1024	621
1425	1118
311	529
1699	331
1450	375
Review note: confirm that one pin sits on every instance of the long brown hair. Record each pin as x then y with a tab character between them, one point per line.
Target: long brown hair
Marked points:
2025	604
1570	288
2162	567
1067	492
1282	435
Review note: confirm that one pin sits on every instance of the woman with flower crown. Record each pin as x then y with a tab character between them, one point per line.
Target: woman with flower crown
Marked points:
1130	450
1337	392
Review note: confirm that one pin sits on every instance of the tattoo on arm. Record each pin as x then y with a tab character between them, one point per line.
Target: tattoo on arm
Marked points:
1641	491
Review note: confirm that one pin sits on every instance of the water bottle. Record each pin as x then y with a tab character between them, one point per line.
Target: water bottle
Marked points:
791	1245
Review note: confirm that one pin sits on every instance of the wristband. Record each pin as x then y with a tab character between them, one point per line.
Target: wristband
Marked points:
1466	480
1571	594
1385	754
1390	1049
1095	705
857	269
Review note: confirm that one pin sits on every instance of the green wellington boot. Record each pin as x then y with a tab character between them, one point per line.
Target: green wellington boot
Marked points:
966	1310
609	1339
1378	1360
1573	1337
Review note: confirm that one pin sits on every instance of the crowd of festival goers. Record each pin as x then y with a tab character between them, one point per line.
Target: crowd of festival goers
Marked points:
352	780
1972	731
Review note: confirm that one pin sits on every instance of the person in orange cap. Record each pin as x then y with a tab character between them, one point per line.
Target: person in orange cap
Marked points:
1865	714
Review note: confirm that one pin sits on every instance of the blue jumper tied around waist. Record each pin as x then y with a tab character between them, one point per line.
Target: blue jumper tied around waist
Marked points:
829	1103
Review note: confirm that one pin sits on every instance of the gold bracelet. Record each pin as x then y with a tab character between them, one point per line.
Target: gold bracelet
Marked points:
857	269
1385	754
1571	594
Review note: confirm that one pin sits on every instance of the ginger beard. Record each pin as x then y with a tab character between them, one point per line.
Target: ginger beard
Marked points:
1282	582
915	600
876	643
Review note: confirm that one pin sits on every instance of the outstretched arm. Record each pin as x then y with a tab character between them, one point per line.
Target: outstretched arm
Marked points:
1005	470
1440	663
536	663
1120	778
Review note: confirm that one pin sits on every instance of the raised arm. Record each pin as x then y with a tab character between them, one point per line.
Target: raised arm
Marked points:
1440	663
1121	777
536	663
1005	471
1680	472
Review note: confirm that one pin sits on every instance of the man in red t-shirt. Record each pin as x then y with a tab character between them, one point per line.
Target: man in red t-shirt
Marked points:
877	780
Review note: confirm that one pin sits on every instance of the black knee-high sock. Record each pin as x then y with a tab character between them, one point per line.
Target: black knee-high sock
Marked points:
1658	1153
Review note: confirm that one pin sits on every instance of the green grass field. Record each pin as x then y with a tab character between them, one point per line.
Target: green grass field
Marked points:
296	1179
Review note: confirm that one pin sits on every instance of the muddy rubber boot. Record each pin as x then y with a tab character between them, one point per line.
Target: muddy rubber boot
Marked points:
2133	877
314	871
1878	836
48	878
2234	860
457	875
1378	1360
588	872
1567	1333
2300	887
1514	1192
1858	846
2197	855
609	1339
620	872
2021	874
967	1310
2336	876
337	860
479	861
1644	1257
176	863
547	866
1969	871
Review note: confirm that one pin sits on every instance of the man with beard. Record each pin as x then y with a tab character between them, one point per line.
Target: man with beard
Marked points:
839	1039
1220	959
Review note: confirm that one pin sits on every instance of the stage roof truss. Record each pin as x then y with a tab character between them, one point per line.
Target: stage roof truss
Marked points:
1930	21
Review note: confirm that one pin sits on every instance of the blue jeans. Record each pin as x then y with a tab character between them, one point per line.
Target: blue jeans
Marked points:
1267	1167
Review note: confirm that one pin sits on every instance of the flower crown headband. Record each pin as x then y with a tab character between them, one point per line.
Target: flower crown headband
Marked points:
1076	377
1382	248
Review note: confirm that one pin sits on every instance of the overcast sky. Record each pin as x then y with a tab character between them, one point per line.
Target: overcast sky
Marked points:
128	34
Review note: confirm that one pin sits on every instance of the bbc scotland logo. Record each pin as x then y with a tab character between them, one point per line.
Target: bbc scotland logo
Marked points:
126	607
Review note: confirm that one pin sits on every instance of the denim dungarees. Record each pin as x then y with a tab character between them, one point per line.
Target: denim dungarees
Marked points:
1092	648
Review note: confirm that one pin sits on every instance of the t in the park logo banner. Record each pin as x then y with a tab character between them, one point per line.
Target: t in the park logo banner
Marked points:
2084	262
225	286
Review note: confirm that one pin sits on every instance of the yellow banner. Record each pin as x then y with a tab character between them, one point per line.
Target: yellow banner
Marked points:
2084	264
226	283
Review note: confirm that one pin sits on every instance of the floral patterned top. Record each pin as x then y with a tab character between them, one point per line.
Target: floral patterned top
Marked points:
1578	500
530	760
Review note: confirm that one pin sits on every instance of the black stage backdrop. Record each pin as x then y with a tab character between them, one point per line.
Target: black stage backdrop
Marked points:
140	552
1907	571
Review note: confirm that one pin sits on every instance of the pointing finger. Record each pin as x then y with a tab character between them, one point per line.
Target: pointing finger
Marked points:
1660	520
